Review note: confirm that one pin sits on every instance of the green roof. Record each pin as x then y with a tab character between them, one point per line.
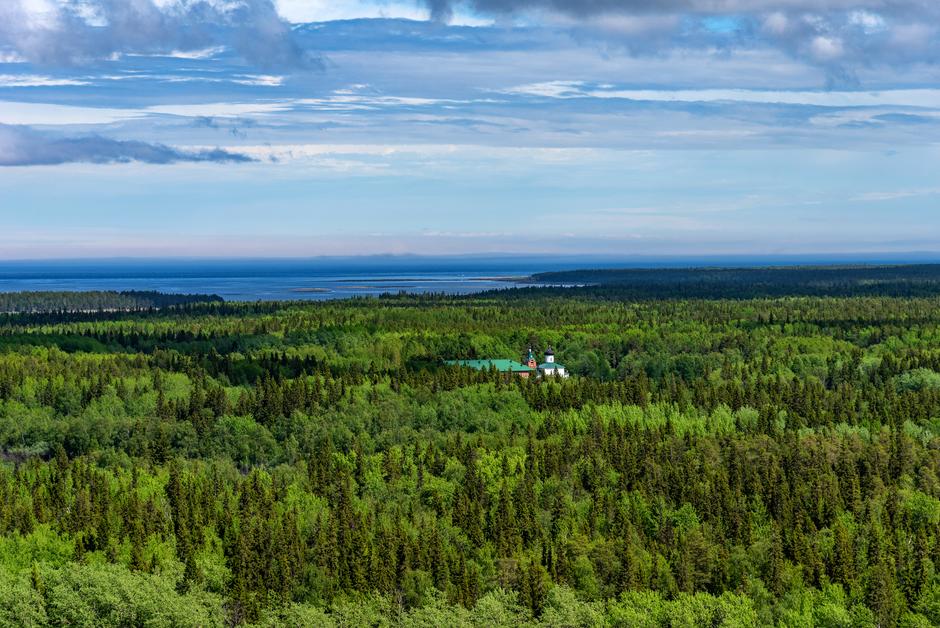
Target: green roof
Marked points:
503	366
551	365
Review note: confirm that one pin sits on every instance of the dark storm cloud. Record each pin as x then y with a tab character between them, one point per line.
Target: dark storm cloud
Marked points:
86	30
23	146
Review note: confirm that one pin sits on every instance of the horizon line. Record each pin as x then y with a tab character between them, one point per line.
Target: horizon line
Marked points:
857	255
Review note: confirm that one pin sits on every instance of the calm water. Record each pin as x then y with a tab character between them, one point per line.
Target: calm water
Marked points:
338	278
269	280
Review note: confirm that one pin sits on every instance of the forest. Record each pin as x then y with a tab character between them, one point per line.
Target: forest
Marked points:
748	461
902	280
128	300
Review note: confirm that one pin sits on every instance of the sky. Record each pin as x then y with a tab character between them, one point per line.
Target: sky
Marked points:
298	128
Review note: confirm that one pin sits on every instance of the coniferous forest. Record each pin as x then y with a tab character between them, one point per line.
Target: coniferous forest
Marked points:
710	462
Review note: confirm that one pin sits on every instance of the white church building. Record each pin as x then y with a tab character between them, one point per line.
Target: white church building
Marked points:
548	368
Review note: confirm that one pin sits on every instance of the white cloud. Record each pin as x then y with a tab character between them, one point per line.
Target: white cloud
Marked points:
621	25
348	99
827	48
871	116
260	80
23	146
219	109
776	23
550	89
45	114
924	97
300	11
201	53
376	158
895	195
867	21
75	32
36	80
49	114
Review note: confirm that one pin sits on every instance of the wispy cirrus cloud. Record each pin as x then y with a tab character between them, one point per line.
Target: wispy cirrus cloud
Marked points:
36	80
23	146
894	195
922	97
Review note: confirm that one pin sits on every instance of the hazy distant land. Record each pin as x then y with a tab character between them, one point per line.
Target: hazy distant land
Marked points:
165	290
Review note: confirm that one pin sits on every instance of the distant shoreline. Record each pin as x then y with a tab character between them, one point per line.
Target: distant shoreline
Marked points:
246	285
509	278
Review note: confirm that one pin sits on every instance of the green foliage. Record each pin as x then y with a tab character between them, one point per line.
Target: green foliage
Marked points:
749	283
917	380
65	302
723	463
22	601
109	595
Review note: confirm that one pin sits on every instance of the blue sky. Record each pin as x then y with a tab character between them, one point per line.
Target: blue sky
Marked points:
315	127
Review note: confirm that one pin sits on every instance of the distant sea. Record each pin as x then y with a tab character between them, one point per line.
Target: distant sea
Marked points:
254	280
340	278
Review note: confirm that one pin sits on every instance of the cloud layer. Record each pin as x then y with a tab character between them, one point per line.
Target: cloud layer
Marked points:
593	7
73	31
23	146
839	35
666	127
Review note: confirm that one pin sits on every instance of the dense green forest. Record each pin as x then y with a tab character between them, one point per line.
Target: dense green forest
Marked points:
131	300
743	462
913	280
